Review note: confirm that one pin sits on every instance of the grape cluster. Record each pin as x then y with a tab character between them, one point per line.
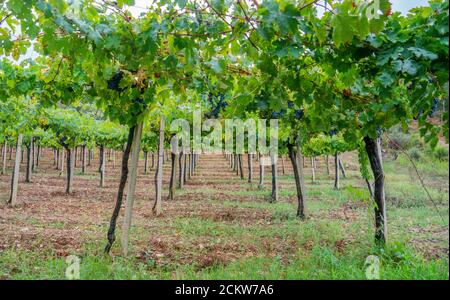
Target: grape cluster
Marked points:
139	101
217	104
114	82
290	104
63	141
333	132
299	113
278	114
138	106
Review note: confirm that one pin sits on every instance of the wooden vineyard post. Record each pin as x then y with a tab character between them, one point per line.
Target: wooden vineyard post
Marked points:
250	167
135	149
15	176
123	180
145	162
336	171
29	162
159	169
83	159
261	172
341	167
102	167
70	168
181	170
274	196
5	147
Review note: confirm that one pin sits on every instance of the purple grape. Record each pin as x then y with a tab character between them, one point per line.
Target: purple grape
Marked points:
114	82
299	113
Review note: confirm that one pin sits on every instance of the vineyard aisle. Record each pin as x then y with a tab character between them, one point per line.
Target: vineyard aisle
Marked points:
217	226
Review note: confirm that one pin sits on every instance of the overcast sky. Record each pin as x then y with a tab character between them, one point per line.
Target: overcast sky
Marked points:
405	5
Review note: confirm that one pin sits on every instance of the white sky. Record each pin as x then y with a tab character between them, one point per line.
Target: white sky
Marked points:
405	5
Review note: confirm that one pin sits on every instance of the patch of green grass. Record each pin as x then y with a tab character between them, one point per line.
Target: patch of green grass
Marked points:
419	216
24	265
332	243
19	264
427	166
404	195
324	263
248	204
